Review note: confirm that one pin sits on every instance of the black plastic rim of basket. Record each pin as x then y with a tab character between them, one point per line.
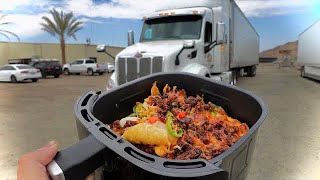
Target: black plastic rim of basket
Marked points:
83	111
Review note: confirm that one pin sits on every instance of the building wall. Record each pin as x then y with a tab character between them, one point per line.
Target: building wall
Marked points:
11	50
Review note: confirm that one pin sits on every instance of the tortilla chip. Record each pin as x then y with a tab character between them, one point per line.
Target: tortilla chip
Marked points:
146	134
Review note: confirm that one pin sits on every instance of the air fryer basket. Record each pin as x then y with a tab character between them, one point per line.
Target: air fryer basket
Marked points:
122	160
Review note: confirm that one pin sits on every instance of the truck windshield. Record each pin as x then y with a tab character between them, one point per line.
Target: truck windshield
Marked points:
172	28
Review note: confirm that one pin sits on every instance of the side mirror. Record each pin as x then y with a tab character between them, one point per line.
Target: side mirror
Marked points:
130	38
220	33
188	44
101	48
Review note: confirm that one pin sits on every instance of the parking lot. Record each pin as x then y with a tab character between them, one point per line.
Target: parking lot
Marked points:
33	113
287	148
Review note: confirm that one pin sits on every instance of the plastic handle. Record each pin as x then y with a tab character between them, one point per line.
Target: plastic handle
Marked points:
78	160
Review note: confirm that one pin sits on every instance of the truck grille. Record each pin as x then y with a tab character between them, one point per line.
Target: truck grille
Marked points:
133	68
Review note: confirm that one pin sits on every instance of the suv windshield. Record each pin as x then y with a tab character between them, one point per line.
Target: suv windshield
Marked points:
172	28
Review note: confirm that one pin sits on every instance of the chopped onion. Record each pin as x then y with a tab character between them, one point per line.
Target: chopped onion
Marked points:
160	125
145	105
124	120
177	147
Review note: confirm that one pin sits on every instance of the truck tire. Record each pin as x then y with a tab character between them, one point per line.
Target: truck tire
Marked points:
101	73
252	71
13	79
66	71
90	72
302	74
44	76
34	80
234	77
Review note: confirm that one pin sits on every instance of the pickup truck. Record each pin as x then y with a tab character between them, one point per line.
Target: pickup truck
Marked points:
88	66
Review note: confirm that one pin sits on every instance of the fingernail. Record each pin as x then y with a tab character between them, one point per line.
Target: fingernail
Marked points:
51	143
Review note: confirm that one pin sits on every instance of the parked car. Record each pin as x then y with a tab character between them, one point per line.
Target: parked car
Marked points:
19	72
88	66
110	67
48	68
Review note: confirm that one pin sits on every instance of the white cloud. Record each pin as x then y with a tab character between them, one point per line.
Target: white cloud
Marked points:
26	14
117	8
6	5
138	8
260	8
24	25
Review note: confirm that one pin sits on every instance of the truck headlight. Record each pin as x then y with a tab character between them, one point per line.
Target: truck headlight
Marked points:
110	84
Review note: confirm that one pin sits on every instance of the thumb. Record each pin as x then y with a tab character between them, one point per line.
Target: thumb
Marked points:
45	154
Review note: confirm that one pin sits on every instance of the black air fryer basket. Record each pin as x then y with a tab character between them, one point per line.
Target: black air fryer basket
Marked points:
122	160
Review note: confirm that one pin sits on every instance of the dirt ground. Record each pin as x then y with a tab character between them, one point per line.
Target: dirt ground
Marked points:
287	148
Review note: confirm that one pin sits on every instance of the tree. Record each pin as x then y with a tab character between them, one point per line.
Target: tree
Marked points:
63	26
4	32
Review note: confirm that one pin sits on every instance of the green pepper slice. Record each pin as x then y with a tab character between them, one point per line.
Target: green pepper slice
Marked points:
172	129
137	110
169	113
214	113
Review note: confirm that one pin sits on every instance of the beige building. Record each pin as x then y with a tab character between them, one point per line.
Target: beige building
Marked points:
28	51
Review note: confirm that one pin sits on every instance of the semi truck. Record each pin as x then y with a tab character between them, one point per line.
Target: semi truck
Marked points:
211	38
308	51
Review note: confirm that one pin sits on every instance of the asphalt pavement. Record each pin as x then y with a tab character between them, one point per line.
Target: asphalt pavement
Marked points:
288	144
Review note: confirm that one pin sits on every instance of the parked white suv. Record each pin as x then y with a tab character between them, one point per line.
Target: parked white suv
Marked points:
88	66
110	67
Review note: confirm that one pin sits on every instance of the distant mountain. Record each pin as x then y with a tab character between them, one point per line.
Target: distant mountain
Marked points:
288	50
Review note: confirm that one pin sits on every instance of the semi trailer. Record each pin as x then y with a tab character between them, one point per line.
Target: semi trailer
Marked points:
210	38
308	52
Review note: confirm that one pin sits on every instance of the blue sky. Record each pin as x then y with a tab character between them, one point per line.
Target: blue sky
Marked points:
107	21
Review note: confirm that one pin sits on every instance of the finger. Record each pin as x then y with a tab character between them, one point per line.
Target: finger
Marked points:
91	177
32	166
45	154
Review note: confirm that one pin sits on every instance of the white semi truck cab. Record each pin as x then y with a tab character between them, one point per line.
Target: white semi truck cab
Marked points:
211	38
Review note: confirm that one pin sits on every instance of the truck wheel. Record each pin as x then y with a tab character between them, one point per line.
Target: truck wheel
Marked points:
100	73
302	72
13	79
66	72
90	72
34	80
252	71
234	77
44	76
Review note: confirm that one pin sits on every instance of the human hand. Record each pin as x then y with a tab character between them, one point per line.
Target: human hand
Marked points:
32	166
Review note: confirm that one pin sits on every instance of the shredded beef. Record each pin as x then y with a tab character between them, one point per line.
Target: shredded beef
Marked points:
205	134
191	100
130	123
115	125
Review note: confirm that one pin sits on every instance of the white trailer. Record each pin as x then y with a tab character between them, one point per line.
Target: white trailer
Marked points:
211	38
309	52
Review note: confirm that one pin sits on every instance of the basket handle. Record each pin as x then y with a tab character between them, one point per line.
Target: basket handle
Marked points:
78	160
